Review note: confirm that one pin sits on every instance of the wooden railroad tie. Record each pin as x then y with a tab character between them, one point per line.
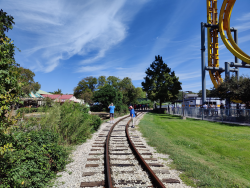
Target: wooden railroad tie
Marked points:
92	184
91	165
170	180
93	159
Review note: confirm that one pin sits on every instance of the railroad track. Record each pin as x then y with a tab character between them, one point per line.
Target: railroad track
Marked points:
118	158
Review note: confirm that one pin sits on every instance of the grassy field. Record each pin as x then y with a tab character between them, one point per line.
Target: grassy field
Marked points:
210	154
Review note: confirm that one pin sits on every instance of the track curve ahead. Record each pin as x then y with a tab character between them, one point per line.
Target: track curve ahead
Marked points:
109	182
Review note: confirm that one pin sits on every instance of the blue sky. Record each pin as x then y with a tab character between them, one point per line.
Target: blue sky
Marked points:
66	41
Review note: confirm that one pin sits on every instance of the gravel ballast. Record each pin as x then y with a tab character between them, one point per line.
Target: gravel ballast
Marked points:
72	176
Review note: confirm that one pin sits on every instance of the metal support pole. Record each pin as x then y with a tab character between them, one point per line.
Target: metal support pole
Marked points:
183	117
227	69
237	74
227	75
236	41
183	104
203	63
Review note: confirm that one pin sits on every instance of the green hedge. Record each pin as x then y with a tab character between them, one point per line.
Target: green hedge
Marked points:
31	110
38	147
35	160
70	122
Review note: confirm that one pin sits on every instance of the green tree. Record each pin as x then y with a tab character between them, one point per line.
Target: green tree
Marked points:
86	85
107	95
128	91
113	81
140	93
160	83
10	88
237	90
59	91
101	81
209	93
87	97
29	85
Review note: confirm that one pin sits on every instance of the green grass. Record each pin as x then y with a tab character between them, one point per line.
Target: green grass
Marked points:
210	154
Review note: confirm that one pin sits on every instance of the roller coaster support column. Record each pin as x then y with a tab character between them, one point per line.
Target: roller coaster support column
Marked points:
203	63
236	40
227	75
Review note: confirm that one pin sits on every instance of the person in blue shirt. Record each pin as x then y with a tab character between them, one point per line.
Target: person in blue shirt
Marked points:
132	115
111	111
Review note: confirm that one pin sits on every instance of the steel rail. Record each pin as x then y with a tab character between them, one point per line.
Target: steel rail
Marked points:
155	180
108	179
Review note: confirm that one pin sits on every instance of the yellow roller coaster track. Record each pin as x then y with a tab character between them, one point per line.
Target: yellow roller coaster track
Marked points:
212	36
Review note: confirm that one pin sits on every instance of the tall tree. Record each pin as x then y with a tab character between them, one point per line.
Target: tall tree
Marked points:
101	81
10	88
27	78
160	83
113	81
128	91
108	94
140	93
87	84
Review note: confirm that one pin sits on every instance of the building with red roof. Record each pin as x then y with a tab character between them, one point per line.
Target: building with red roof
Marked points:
53	97
63	98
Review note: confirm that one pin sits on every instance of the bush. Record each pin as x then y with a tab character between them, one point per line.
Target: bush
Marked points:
35	160
34	154
70	122
96	108
121	110
27	110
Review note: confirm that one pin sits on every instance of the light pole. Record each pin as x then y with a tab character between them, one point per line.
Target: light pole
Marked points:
183	117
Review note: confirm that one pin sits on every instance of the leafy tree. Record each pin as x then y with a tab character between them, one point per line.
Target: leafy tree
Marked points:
209	93
160	83
128	91
101	81
238	90
59	91
87	84
113	81
87	97
140	93
10	88
107	95
26	77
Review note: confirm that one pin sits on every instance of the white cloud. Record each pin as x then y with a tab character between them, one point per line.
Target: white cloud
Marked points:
245	17
62	29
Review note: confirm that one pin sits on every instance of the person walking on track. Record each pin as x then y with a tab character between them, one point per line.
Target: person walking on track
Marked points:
111	111
132	115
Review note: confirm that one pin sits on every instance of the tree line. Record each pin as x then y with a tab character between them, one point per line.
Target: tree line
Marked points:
108	89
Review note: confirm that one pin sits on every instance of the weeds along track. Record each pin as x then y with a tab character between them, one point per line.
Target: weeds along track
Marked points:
118	158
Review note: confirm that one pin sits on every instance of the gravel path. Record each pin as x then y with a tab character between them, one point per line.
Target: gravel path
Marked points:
72	176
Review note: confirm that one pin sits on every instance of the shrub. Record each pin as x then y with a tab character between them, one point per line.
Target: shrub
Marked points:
31	110
70	122
96	108
35	160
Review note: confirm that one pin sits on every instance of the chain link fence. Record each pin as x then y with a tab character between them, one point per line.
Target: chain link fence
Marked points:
229	115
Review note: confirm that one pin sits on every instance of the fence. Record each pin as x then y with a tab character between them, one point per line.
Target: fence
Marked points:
231	115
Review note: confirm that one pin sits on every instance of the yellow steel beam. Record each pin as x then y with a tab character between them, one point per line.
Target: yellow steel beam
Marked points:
224	17
212	44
